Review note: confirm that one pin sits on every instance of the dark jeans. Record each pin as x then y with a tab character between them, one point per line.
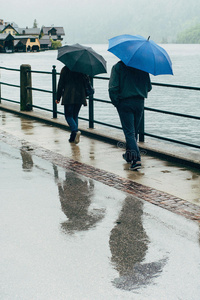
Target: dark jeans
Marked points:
71	115
130	112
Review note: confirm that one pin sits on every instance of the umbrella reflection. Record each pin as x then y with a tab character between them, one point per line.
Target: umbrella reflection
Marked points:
75	195
128	245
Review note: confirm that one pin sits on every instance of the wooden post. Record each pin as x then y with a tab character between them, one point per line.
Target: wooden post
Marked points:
25	88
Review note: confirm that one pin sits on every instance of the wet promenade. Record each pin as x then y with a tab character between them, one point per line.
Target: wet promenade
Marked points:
77	224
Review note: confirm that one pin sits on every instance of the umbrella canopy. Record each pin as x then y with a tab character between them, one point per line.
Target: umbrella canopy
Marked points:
140	53
82	59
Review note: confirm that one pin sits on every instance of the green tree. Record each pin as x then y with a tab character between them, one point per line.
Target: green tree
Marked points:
35	24
55	44
190	35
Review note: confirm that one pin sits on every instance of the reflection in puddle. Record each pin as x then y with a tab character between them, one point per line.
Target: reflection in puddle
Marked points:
27	126
128	245
75	195
27	162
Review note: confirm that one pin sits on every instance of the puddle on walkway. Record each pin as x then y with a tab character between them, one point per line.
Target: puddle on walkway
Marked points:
65	236
161	175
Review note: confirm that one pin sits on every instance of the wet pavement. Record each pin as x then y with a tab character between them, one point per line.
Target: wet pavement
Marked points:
176	179
66	235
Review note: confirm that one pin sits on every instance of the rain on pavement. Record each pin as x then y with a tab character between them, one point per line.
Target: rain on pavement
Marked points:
66	236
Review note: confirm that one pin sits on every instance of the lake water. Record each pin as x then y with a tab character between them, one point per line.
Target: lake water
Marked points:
186	68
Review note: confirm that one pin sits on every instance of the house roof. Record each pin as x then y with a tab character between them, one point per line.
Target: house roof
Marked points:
60	30
45	37
16	42
45	42
9	25
33	31
21	37
5	36
54	37
14	25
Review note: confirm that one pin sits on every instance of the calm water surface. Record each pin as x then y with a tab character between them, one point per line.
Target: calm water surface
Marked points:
186	66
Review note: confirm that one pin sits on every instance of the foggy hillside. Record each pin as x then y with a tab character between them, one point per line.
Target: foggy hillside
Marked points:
97	21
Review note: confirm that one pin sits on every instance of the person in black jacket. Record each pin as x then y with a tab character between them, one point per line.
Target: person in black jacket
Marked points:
71	87
127	89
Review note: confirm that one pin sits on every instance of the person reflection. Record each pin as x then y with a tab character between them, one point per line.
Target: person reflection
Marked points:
75	193
128	245
27	162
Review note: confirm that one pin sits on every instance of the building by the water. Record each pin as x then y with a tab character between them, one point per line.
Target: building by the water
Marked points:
15	39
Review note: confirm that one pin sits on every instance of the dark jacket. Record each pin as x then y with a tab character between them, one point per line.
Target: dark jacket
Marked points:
127	82
71	87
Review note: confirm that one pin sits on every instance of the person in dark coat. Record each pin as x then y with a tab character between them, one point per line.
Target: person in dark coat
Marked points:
71	87
127	89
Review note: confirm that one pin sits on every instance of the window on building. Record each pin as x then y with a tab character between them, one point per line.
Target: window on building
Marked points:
32	40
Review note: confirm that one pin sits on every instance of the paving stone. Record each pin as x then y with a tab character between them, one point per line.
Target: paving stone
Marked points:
153	196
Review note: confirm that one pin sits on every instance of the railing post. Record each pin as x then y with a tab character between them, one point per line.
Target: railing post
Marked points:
25	93
141	129
54	92
0	87
91	108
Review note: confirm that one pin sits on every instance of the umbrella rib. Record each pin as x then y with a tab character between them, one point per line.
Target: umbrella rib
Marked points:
77	62
141	53
153	59
85	60
136	52
89	65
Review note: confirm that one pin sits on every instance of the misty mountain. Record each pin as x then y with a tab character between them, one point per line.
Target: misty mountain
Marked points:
97	21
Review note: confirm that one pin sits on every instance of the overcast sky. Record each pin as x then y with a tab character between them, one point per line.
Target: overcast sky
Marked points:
65	13
48	12
78	15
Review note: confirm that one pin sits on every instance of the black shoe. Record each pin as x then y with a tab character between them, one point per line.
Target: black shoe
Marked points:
135	165
125	158
71	140
72	137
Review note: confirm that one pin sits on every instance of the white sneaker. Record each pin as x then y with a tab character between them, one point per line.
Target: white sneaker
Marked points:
77	138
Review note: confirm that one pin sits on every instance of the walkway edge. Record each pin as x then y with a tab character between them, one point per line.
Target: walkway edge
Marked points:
146	149
162	199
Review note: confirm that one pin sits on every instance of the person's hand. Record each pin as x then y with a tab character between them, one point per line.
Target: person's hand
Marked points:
57	101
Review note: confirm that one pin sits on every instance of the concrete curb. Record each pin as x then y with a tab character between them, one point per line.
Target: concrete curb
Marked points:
175	157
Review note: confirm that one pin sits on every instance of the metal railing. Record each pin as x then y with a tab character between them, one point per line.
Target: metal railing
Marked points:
92	99
8	84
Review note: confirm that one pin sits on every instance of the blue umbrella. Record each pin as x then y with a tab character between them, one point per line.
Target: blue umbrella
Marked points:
140	53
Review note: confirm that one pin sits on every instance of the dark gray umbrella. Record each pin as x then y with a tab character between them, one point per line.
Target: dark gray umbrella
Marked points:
82	59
